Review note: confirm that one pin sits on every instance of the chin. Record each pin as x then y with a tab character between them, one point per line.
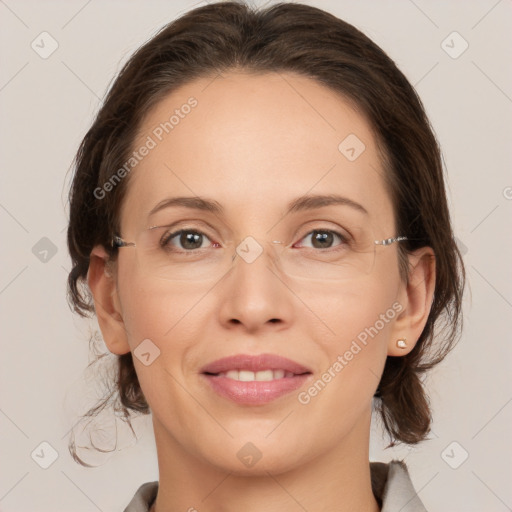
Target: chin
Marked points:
256	458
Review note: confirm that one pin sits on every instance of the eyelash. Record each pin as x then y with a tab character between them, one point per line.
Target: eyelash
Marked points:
166	238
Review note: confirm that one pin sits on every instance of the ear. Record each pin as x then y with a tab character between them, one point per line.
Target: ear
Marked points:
416	299
102	283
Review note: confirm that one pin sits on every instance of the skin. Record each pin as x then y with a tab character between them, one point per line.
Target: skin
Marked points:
254	143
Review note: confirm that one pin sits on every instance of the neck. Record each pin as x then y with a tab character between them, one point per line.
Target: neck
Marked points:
336	480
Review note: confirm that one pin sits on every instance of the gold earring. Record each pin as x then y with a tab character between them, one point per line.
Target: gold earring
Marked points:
401	343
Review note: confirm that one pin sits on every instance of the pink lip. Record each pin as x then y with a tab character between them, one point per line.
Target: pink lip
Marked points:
255	364
255	392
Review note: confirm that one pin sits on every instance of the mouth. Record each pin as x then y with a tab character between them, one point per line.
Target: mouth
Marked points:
253	380
259	376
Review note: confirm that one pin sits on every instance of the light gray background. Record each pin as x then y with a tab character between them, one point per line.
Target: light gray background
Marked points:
46	108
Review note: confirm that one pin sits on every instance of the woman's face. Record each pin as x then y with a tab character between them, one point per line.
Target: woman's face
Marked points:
253	144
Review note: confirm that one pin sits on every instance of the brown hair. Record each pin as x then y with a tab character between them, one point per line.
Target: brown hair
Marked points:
295	38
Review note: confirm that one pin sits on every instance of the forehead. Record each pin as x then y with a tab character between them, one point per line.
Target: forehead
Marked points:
254	142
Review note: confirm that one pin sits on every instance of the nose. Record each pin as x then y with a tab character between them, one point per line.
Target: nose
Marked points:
255	293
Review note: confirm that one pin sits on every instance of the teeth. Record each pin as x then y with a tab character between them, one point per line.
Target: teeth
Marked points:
248	376
278	374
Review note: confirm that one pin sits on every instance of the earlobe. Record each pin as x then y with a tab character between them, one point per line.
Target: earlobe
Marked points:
416	298
103	287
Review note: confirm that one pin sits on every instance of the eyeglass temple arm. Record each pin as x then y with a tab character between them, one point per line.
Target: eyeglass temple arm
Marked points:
388	241
117	241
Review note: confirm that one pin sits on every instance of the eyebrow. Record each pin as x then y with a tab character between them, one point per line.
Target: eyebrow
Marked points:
318	201
303	203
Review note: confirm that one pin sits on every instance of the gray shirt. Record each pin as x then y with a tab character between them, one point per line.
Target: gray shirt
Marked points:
391	485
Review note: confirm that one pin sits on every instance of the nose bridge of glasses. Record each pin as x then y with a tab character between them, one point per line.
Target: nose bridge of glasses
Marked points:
251	249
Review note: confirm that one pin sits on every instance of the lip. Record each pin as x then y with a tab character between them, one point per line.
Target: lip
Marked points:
254	364
255	392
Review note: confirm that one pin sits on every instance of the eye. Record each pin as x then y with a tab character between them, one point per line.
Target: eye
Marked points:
187	240
323	238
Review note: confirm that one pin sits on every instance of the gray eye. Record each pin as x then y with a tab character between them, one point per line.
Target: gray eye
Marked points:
187	240
322	238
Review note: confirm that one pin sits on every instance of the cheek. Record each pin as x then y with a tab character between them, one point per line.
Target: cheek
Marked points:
157	309
344	312
168	315
355	356
352	328
174	317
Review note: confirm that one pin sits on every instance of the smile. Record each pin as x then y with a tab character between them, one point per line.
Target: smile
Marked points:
255	379
262	376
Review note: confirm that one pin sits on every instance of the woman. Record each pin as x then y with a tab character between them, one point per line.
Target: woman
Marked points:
259	214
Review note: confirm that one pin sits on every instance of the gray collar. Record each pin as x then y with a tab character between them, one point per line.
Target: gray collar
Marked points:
392	486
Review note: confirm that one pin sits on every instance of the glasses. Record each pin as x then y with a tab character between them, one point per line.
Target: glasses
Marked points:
193	253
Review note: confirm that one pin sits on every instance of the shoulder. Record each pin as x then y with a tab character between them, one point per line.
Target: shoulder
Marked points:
393	487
